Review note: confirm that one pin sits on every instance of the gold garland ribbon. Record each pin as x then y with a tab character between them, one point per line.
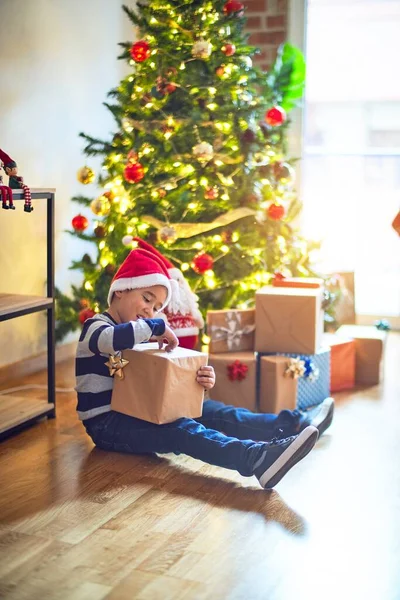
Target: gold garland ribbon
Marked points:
188	230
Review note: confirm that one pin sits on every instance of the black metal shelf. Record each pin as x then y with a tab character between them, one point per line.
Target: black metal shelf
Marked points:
17	412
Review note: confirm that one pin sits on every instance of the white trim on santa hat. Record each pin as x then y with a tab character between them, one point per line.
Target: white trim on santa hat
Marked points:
143	281
185	331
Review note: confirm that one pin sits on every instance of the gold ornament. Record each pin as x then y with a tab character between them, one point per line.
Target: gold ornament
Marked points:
167	234
201	49
100	206
115	364
85	175
203	152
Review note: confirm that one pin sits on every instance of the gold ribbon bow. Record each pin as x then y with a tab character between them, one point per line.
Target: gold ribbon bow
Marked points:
115	364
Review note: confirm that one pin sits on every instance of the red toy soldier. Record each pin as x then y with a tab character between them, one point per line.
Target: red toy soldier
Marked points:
16	182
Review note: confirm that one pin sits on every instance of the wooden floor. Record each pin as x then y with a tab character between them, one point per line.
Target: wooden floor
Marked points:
77	523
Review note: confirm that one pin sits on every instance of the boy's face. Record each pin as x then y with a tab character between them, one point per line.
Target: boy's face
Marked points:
142	303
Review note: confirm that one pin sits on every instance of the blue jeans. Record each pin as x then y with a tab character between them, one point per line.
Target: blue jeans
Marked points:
224	436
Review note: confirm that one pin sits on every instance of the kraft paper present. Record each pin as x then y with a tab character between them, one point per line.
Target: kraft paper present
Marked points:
314	385
343	361
369	343
231	330
239	391
159	386
289	320
277	391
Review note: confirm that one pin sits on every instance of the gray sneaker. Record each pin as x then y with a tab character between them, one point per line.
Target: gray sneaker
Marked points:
281	455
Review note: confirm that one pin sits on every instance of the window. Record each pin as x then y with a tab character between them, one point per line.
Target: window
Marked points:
351	154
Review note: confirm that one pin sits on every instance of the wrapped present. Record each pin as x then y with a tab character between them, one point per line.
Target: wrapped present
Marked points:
231	330
369	343
159	386
277	390
235	381
343	361
280	280
312	373
288	320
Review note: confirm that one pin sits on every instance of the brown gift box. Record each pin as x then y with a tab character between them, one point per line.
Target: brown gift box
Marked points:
239	393
343	361
369	343
231	330
277	392
289	320
159	386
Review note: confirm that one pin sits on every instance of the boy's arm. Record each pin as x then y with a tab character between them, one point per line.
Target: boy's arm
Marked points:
103	338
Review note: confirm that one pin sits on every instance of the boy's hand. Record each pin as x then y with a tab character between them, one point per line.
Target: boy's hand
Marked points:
170	338
206	377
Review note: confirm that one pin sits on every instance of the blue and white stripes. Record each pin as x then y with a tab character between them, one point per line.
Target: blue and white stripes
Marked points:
100	337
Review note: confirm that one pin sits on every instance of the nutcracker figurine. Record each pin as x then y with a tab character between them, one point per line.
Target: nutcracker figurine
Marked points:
16	182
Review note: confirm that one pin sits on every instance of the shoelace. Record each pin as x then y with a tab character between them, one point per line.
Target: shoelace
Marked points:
279	441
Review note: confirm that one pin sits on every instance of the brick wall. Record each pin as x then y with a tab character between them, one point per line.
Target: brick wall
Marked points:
267	22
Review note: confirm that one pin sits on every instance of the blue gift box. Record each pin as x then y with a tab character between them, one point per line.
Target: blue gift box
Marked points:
314	385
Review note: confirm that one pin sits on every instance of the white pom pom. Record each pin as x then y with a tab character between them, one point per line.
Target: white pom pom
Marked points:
127	240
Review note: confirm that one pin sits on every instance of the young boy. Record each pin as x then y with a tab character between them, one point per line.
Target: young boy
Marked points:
266	446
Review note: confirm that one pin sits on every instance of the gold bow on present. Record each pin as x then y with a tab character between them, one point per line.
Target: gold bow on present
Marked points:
295	368
115	364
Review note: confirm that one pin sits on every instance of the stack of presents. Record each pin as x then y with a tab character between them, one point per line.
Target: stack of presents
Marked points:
266	359
277	355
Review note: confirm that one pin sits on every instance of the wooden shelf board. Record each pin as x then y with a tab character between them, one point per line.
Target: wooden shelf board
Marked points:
15	303
15	410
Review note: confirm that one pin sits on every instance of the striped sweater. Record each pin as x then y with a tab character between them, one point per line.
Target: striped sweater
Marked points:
100	337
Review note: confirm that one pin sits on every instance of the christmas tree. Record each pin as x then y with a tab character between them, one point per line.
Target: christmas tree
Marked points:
197	164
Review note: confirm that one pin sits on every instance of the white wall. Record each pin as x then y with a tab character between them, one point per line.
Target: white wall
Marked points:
57	63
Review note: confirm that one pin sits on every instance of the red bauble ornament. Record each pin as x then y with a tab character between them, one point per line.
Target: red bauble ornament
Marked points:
133	172
275	212
275	116
220	71
228	49
233	6
80	223
211	193
140	51
202	262
86	313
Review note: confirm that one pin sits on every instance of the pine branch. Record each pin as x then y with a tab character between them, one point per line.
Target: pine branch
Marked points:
132	15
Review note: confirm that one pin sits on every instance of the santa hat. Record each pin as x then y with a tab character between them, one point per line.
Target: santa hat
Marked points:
141	269
8	162
183	304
